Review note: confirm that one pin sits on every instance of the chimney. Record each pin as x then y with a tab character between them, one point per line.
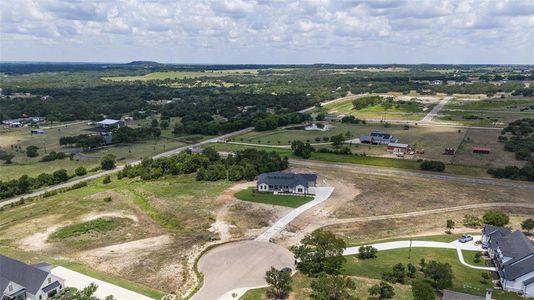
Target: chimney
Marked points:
488	294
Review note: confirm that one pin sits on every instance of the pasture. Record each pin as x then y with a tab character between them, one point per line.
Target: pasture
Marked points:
183	75
409	111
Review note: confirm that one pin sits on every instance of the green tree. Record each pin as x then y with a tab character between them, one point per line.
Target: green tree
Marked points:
422	290
60	176
80	171
235	173
7	157
108	162
383	290
412	270
31	151
527	225
279	283
249	172
450	225
396	275
496	217
332	287
337	140
440	274
367	252
154	123
320	251
211	154
301	149
164	124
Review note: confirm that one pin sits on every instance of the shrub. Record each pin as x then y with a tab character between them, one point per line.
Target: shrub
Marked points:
432	165
107	179
496	218
108	162
108	199
80	171
422	290
367	252
31	151
472	221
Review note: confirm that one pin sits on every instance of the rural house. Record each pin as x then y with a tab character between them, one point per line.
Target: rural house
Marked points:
21	281
398	148
378	138
280	182
110	123
513	256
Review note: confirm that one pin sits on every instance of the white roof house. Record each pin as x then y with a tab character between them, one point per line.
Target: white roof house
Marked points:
110	122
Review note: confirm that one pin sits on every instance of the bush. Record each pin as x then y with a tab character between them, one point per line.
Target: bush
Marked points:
107	179
472	221
367	252
496	218
108	199
108	162
80	171
422	290
432	165
31	151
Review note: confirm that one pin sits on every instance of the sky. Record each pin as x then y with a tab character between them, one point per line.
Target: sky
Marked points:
269	31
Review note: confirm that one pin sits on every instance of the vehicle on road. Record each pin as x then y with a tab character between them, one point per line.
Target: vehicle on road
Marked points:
465	238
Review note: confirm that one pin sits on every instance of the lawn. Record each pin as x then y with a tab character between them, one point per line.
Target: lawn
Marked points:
251	195
301	289
484	118
466	279
511	105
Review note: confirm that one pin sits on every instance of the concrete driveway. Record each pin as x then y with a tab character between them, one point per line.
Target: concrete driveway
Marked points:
80	281
239	265
321	194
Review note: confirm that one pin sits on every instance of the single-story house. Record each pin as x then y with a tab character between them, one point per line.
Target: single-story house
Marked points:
513	256
109	123
281	182
20	281
398	147
378	138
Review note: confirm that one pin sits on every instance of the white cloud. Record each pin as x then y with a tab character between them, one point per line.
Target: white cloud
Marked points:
264	30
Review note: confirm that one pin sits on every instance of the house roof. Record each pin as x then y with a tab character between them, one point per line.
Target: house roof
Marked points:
517	246
3	283
108	122
289	179
481	149
25	275
398	145
381	135
491	230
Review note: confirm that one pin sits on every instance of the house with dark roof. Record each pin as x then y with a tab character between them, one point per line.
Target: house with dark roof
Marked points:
281	182
20	281
378	138
513	256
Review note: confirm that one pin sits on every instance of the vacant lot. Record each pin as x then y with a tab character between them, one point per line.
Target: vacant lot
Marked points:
183	75
141	232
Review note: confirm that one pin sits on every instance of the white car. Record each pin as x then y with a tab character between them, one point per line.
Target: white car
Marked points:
465	238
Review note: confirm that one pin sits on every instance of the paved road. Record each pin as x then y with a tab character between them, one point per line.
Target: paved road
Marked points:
396	172
322	193
80	281
434	112
118	168
470	246
240	265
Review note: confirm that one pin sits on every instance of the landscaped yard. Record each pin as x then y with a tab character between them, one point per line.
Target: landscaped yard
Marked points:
466	279
252	195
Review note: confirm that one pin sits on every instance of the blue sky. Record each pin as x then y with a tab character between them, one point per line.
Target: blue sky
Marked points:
275	31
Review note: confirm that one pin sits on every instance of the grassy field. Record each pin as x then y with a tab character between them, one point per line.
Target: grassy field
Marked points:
363	160
487	112
251	195
466	279
411	111
177	212
23	165
100	225
183	75
445	238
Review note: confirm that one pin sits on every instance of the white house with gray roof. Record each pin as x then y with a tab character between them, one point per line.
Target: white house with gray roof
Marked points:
20	281
281	182
513	256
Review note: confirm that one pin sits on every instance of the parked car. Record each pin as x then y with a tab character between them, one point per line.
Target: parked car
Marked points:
465	238
286	270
